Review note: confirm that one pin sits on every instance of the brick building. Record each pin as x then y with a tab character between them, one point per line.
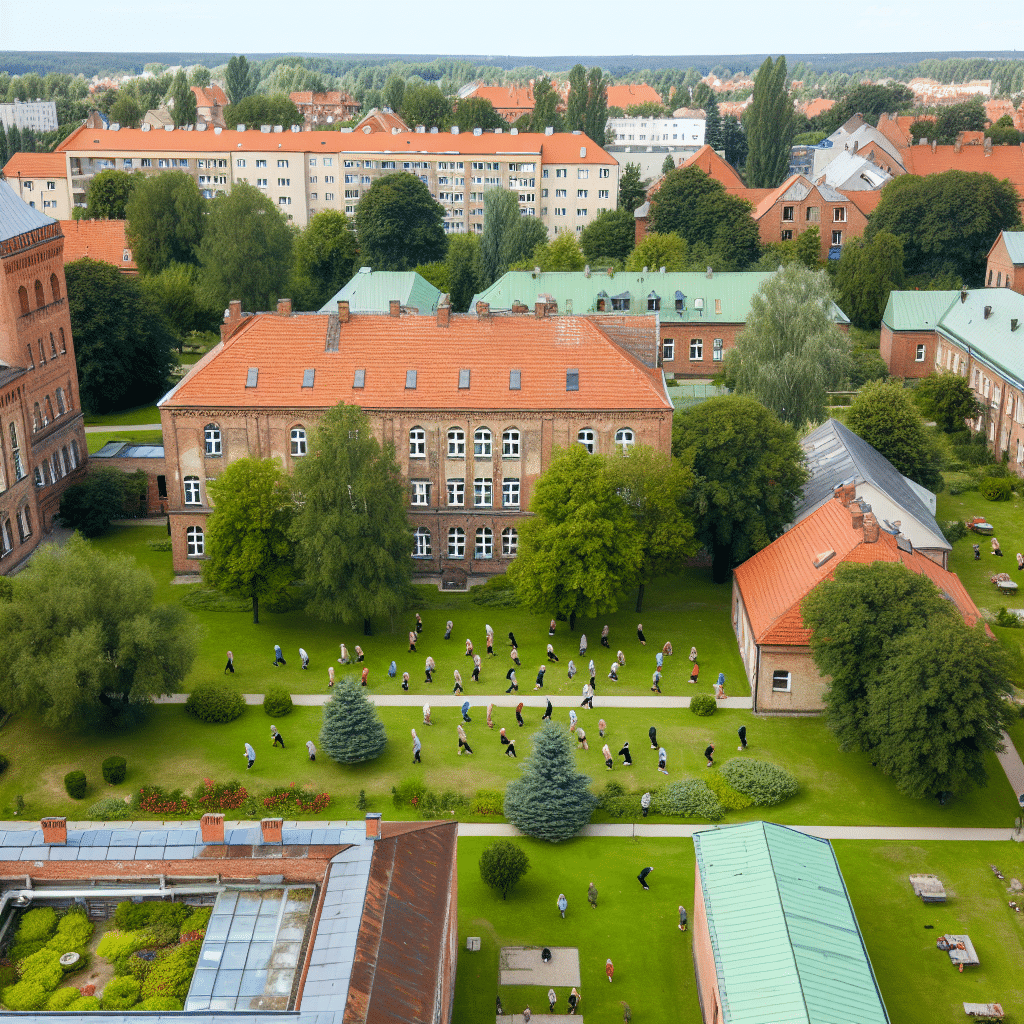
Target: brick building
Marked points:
42	440
103	240
319	108
356	924
211	102
1005	266
908	339
474	406
769	587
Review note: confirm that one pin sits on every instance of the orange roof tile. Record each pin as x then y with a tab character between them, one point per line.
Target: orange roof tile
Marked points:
541	349
712	164
98	240
210	95
775	581
774	195
381	121
632	95
752	195
36	165
1001	161
507	97
865	200
562	147
818	106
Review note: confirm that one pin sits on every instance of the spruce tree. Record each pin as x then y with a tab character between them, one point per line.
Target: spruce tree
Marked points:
352	730
714	136
5	153
769	124
551	800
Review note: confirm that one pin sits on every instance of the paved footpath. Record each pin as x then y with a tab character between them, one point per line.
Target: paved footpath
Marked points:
123	428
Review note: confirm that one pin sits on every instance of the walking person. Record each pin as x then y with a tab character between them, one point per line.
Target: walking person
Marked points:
412	641
250	756
465	712
682	919
392	670
583	644
645	804
667	649
572	669
574	1001
606	751
540	677
431	668
230	666
344	659
563	904
547	712
513	683
419	623
448	626
609	969
640	633
304	658
511	744
458	682
311	750
659	659
642	877
277	740
695	672
426	715
601	726
621	659
490	721
604	637
514	655
656	681
572	721
742	733
359	654
278	656
519	714
662	761
551	628
627	757
365	675
527	1015
613	673
330	675
463	743
653	734
592	895
476	668
593	675
512	638
416	747
469	648
490	641
405	681
588	697
720	687
709	753
551	653
693	654
552	999
581	739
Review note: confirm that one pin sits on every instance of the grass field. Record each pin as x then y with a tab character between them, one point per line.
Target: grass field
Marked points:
95	442
125	418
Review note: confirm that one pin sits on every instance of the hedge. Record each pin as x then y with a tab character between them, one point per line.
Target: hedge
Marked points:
86	1004
766	784
996	488
160	1003
172	976
215	704
75	783
120	994
110	808
703	705
114	768
62	999
278	702
690	798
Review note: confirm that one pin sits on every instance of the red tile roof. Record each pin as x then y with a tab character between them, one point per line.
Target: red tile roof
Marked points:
518	98
209	96
865	200
282	348
1001	161
98	240
36	165
381	121
775	580
712	164
817	106
630	95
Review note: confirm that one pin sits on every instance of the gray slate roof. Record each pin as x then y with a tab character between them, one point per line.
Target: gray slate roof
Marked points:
836	455
16	216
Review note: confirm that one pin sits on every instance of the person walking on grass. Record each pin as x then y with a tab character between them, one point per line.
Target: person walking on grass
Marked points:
311	750
592	896
609	969
720	687
458	683
465	712
344	659
547	712
365	675
552	999
511	744
490	641
250	756
656	681
602	725
551	653
588	697
412	641
572	721
621	659
604	637
613	673
490	720
514	655
682	919
645	804
593	675
640	633
574	1001
563	904
627	757
304	658
693	654
469	648
513	683
742	733
463	743
431	668
392	670
571	669
277	740
359	654
519	714
512	639
330	675
606	751
416	747
551	628
419	623
476	668
540	677
583	645
653	734
667	649
426	715
695	672
448	626
642	877
662	761
278	656
581	739
527	1015
709	753
230	666
405	681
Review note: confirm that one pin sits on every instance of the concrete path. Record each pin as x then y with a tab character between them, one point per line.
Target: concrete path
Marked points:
123	428
1012	765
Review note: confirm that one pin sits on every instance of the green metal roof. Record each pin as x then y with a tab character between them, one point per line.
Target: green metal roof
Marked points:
991	338
786	943
372	292
916	311
577	292
1014	245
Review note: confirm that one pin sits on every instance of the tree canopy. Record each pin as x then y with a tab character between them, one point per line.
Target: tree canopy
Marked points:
508	236
109	193
656	250
123	347
325	255
353	539
257	110
748	473
85	644
562	253
399	224
769	126
166	219
426	105
476	112
632	189
610	235
502	864
248	542
948	399
184	105
240	79
790	353
867	273
946	221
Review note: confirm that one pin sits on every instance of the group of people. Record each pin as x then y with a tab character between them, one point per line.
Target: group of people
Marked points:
276	740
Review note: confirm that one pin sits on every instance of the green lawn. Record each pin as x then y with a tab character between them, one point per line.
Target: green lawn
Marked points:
918	982
125	418
638	930
96	441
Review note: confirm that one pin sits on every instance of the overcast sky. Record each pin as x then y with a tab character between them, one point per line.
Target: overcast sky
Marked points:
525	27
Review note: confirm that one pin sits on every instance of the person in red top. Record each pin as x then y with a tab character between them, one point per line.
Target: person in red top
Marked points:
695	672
609	969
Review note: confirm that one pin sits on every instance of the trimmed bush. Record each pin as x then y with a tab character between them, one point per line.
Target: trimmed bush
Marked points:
160	1003
115	769
117	944
120	994
690	798
766	784
352	731
87	1004
43	967
278	702
62	999
73	932
131	916
196	921
138	966
703	705
8	976
730	799
110	808
405	792
215	704
622	806
37	925
26	995
1008	620
5	763
996	488
172	976
953	529
75	783
489	801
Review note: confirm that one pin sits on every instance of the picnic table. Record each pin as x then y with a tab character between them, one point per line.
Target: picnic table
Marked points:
929	888
1004	583
984	1011
961	950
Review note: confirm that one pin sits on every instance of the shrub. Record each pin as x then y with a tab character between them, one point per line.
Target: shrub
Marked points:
215	704
5	763
489	801
73	932
26	996
352	731
1008	620
196	921
502	864
198	599
141	963
730	799
37	925
703	705
996	488
621	806
105	494
227	796
114	768
62	999
766	784
120	994
286	798
952	529
153	800
75	783
117	944
8	976
171	977
441	805
130	915
278	702
110	808
87	1004
611	790
406	791
689	798
160	1003
160	545
43	967
497	592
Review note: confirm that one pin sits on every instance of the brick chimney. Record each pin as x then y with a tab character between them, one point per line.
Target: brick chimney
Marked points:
55	831
846	494
373	826
232	318
959	144
284	307
395	308
870	528
856	516
540	309
519	307
271	829
444	312
343	313
212	826
934	144
988	147
483	310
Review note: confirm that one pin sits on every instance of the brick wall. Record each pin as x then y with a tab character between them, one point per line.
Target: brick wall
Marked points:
772	224
682	337
156	503
1001	272
704	957
806	685
899	349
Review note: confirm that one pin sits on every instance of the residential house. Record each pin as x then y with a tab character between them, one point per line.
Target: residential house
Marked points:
836	457
160	118
474	406
318	108
852	172
385	120
42	439
971	152
775	936
510	101
698	315
1005	267
211	102
373	291
650	158
908	340
103	240
316	923
769	587
631	95
672	131
41	181
858	137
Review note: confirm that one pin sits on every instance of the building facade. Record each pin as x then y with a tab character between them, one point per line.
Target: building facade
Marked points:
318	108
39	115
474	406
664	131
562	178
1005	264
42	439
41	179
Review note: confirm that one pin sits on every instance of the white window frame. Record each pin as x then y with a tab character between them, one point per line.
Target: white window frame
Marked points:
456	443
696	350
625	439
510	492
588	438
212	439
717	350
298	448
482	443
195	541
919	354
782	681
484	542
510	444
193	491
509	542
417	443
421	543
456	493
668	351
456	542
483	492
421	492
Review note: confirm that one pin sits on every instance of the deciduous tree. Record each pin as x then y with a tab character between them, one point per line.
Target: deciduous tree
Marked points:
174	293
184	98
508	236
476	112
352	731
109	194
463	270
325	256
426	105
562	253
502	864
769	126
948	399
867	273
657	250
632	189
239	79
259	110
610	235
105	494
166	219
399	224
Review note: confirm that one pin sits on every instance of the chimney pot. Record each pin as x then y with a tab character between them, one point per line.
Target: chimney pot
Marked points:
212	826
444	312
55	831
1013	323
483	309
871	528
395	308
988	312
343	313
856	517
272	829
284	307
540	309
373	826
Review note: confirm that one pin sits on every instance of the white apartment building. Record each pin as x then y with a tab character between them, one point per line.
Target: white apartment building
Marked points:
657	131
39	115
562	178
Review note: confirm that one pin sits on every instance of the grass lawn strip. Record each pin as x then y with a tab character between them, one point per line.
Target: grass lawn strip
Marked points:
125	417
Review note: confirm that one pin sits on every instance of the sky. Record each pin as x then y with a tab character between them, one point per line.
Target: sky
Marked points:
526	27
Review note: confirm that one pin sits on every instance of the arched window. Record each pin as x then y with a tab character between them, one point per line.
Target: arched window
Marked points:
298	441
211	433
53	346
8	537
37	418
42	354
456	443
23	300
54	467
624	439
49	409
484	542
24	523
421	543
40	296
74	455
999	279
509	541
588	439
39	474
64	460
510	444
482	443
61	407
195	541
192	491
54	287
990	277
456	542
19	469
417	443
63	343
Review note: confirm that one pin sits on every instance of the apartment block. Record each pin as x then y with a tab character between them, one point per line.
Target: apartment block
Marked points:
39	115
41	181
674	131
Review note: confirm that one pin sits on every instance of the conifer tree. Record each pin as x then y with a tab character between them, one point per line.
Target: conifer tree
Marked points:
714	136
352	731
551	800
769	124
